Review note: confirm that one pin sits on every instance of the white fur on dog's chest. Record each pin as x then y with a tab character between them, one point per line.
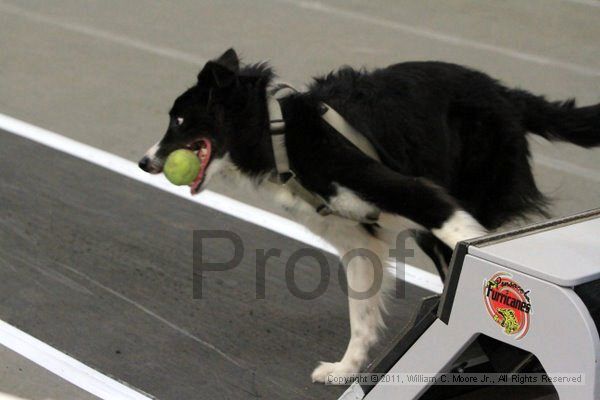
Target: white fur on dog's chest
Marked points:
344	203
348	204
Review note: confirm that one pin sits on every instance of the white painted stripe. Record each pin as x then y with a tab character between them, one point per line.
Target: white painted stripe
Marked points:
5	396
453	40
64	366
216	201
104	35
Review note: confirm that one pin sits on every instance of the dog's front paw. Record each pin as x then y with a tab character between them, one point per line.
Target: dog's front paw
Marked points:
336	372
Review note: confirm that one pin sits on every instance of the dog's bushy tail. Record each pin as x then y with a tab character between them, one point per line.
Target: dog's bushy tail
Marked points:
558	120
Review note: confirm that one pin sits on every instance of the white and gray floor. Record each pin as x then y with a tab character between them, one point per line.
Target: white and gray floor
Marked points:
96	263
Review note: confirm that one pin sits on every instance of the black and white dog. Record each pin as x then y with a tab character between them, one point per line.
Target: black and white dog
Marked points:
452	144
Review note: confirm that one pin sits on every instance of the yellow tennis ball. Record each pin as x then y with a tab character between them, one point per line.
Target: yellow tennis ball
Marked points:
182	167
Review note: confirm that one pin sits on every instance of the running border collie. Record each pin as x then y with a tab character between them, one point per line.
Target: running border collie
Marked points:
452	144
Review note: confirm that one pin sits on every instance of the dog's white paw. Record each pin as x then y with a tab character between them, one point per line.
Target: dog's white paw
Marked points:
334	372
460	226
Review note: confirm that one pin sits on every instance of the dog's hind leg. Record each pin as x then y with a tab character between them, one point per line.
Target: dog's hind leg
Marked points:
415	198
365	264
435	249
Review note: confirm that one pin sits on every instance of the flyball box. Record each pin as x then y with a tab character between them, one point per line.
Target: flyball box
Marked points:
524	301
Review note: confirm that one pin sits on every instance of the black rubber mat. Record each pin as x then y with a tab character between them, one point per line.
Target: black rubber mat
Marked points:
100	267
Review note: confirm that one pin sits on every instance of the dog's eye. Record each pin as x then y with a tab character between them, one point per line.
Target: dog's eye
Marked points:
179	121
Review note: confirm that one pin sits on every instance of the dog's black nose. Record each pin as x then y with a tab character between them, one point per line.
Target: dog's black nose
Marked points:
144	163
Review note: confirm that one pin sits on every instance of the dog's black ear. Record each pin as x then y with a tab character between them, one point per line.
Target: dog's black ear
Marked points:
230	60
221	72
215	75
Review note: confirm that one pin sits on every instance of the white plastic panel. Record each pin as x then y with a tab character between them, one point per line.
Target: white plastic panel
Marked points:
566	255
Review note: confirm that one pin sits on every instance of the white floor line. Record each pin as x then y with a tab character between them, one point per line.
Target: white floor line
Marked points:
64	366
216	201
6	396
454	40
105	35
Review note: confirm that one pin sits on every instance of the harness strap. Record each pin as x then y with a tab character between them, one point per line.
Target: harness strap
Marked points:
285	175
277	127
337	122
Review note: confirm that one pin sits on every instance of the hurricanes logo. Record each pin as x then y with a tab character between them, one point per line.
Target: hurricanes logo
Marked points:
508	304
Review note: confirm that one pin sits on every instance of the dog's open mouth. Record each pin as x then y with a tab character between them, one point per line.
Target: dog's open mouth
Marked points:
202	148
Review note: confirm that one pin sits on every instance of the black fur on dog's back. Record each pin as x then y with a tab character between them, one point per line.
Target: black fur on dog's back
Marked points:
458	127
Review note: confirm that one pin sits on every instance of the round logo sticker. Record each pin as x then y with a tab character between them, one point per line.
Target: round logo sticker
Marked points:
508	304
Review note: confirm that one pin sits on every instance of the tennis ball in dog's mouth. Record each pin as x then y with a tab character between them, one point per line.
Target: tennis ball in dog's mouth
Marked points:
182	167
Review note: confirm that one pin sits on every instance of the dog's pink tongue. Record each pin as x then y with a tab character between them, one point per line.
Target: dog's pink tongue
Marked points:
195	185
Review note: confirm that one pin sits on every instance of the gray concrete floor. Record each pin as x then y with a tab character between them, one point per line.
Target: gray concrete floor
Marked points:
105	72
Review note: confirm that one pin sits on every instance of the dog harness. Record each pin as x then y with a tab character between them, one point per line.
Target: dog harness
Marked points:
285	175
